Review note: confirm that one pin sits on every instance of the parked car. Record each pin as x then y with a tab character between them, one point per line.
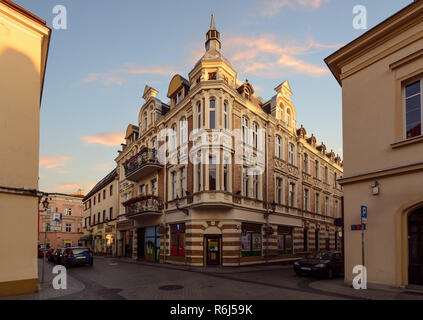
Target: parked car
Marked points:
57	255
325	263
41	250
49	254
77	256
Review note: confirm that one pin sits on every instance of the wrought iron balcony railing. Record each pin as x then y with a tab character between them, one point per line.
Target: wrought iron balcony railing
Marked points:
143	204
146	158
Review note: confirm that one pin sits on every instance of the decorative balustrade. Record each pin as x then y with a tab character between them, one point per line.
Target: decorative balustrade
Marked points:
143	204
144	158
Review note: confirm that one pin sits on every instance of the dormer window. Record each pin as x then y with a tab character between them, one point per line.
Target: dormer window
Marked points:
212	76
247	93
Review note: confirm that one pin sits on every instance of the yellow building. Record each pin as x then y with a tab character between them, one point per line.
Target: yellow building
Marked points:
100	212
381	74
24	43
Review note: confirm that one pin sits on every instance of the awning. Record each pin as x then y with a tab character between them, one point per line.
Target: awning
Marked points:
87	237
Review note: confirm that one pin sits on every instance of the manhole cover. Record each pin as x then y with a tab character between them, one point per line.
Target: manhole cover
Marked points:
171	287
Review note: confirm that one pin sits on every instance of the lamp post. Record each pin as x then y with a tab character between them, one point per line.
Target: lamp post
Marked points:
45	206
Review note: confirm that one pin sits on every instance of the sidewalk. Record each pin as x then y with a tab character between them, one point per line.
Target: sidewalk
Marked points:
208	269
46	290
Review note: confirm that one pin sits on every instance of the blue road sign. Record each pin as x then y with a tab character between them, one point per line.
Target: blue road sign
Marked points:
364	212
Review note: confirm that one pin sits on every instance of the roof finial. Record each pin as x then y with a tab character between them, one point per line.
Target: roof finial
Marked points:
212	23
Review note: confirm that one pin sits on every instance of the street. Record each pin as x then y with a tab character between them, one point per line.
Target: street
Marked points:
122	278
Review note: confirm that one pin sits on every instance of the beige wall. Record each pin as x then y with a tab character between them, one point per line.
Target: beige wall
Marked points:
23	52
373	71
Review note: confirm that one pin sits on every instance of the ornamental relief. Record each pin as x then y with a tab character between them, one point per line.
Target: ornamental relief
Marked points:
280	165
293	170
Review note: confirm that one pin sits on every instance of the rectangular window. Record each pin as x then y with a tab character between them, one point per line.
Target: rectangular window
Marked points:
255	186
212	76
292	195
199	115
316	240
142	189
246	183
68	227
111	214
284	240
336	209
317	209
183	131
212	114
306	199
326	175
111	190
68	211
225	116
316	169
413	109
251	240
99	198
327	206
199	176
182	182
104	215
174	185
212	173
245	131
154	187
177	240
278	147
226	175
279	184
305	163
291	154
255	135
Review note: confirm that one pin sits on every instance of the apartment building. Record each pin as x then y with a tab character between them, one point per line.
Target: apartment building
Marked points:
71	209
220	176
381	74
24	45
100	213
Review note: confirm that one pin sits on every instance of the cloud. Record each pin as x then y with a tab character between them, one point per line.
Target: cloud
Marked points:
268	56
106	139
73	187
270	8
115	77
54	162
104	78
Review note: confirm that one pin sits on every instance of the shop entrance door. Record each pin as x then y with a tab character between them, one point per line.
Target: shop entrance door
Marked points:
213	250
415	247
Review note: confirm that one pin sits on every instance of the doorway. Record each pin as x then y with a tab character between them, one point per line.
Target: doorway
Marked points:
213	255
140	243
415	247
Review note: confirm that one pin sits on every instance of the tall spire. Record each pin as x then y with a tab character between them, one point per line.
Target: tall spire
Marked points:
212	23
213	37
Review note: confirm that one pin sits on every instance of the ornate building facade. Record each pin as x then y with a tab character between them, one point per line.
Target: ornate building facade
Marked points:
219	176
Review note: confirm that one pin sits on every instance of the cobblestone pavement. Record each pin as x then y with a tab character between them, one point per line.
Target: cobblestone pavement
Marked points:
122	278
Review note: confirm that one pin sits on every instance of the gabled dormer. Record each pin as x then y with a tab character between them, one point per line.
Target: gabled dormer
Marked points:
178	90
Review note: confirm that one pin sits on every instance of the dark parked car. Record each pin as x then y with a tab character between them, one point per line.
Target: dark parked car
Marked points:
57	255
326	263
77	256
41	250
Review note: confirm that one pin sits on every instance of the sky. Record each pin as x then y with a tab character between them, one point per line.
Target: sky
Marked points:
98	67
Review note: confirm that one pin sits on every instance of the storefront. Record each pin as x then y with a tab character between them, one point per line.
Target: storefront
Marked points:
109	240
125	241
149	244
285	243
251	240
177	240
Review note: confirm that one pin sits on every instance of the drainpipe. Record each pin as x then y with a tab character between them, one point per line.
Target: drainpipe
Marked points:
267	194
164	200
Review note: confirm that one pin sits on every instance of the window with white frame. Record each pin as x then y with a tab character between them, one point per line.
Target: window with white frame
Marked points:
199	115
278	147
255	186
225	116
316	169
255	135
413	115
292	194
174	185
212	114
68	211
291	155
68	227
226	174
279	190
246	183
174	138
245	127
306	200
183	131
183	178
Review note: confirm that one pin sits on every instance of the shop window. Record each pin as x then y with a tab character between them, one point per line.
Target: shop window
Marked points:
284	240
177	240
251	240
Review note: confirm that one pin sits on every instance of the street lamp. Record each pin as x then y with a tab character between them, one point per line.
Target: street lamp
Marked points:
45	202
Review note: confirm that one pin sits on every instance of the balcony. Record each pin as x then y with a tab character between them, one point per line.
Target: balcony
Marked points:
143	163
144	205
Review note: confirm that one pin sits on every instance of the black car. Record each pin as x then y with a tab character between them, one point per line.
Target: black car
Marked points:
327	263
77	256
57	256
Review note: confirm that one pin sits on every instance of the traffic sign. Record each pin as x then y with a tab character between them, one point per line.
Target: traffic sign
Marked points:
355	227
364	212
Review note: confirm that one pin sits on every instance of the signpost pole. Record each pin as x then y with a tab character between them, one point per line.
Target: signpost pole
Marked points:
363	226
44	254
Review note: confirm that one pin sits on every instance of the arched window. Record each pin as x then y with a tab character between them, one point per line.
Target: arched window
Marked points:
199	115
288	118
145	120
212	114
183	131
